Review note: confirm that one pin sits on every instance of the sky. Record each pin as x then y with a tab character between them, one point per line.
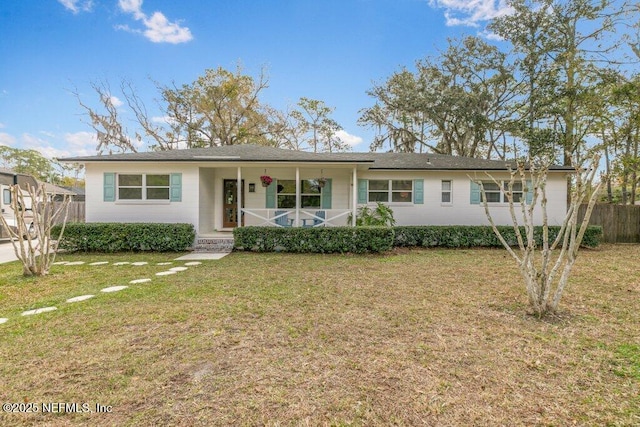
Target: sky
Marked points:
330	50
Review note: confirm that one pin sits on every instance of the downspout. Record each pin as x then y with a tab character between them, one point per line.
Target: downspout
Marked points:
298	198
239	197
354	196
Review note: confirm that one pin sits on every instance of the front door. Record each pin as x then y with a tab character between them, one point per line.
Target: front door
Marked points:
230	203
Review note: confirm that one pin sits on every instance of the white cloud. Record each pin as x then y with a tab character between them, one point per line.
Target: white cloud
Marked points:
6	139
347	138
471	12
158	29
165	120
77	6
54	146
116	101
80	144
132	6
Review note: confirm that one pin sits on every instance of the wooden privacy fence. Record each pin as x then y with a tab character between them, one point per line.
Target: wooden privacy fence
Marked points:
620	223
76	212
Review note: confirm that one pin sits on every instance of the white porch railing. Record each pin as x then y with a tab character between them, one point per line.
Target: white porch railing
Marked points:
296	217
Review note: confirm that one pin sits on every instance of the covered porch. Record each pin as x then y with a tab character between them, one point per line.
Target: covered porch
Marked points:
290	196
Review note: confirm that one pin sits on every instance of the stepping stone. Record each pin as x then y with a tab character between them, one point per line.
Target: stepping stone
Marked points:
133	282
193	263
99	263
38	311
121	263
164	263
60	263
80	298
178	269
113	289
139	263
75	263
3	320
165	273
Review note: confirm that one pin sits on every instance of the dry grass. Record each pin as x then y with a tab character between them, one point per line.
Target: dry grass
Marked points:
435	337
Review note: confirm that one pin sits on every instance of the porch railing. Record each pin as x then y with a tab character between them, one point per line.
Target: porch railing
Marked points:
296	218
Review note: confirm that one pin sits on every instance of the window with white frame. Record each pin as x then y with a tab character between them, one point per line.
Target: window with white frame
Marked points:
446	191
310	194
494	194
390	190
143	186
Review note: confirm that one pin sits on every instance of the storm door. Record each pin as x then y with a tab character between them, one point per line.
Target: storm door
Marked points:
230	203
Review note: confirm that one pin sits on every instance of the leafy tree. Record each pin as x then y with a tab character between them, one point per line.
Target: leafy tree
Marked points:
309	126
219	108
620	134
456	103
559	49
27	161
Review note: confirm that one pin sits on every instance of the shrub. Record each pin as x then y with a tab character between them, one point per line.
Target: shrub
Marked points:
476	236
118	237
317	239
381	216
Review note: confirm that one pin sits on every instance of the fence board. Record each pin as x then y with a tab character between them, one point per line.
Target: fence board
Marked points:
620	223
76	212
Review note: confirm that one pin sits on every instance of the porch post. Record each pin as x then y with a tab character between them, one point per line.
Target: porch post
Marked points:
354	196
239	196
298	198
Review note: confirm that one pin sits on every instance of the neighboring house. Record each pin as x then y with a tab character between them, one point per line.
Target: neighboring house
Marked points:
7	179
56	193
200	186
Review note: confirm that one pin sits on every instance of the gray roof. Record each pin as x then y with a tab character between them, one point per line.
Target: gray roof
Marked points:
54	189
262	154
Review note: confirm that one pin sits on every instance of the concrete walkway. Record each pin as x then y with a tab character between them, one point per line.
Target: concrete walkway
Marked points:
6	252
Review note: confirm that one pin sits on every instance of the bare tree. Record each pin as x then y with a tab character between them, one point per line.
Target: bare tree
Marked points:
31	234
110	132
545	271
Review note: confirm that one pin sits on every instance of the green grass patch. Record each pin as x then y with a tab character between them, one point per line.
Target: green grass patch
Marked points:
627	361
436	337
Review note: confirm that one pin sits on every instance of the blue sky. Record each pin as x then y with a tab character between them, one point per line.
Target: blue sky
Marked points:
332	50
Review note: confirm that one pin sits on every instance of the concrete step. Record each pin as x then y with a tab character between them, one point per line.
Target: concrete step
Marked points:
213	244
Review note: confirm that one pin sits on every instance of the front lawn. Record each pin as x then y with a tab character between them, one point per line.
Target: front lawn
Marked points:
421	337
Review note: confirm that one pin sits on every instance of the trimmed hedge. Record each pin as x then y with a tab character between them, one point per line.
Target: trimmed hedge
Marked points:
477	236
121	237
316	240
380	239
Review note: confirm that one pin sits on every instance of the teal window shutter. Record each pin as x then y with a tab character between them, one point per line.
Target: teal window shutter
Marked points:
475	193
270	202
362	191
176	187
109	187
418	191
529	195
326	195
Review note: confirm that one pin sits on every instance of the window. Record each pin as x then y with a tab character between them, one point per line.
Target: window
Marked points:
495	195
516	191
309	196
6	196
446	192
396	191
143	187
157	187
